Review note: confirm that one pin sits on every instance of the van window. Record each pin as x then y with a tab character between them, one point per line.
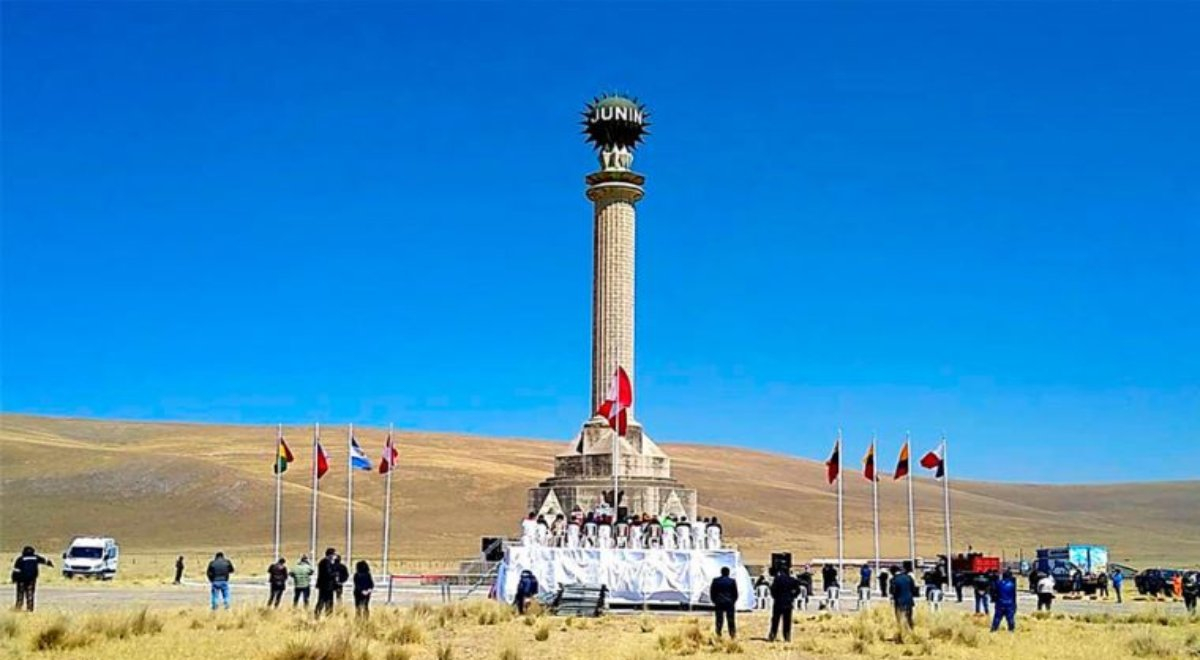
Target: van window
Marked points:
77	552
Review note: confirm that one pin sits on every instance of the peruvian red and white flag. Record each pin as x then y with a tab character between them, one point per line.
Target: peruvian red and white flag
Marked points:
390	456
322	461
620	399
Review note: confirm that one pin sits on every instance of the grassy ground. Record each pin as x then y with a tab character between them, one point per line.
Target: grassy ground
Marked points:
483	629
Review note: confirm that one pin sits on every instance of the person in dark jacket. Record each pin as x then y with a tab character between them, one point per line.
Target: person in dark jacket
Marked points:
1191	591
784	589
341	575
277	576
218	572
829	582
364	584
723	592
904	589
982	585
527	587
179	569
1006	602
326	583
883	583
25	576
805	578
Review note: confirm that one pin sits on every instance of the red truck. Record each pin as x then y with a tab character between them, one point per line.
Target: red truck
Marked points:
965	567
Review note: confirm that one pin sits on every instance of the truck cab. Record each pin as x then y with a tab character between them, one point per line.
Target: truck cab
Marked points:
91	556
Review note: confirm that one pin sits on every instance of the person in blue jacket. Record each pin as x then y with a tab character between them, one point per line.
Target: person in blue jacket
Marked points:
1118	579
1006	602
904	588
527	587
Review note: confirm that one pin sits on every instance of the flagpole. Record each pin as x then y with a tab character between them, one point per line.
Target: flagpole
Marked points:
875	495
312	541
946	497
349	494
912	535
387	502
278	488
841	548
616	471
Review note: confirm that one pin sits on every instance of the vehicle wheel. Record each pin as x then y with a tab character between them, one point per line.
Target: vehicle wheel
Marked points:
68	575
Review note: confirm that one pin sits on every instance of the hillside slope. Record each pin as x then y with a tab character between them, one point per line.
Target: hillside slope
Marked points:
164	487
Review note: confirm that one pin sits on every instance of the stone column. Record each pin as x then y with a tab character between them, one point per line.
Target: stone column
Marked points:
613	195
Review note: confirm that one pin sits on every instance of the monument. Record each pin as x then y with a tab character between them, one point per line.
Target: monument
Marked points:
583	475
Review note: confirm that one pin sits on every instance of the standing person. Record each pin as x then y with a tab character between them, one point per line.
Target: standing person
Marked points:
1118	578
805	579
723	592
364	584
933	588
1102	583
25	576
277	576
829	582
1177	586
883	583
301	581
1006	602
864	586
1191	591
784	589
529	530
527	587
904	589
341	575
326	583
714	532
1045	592
219	570
982	584
179	569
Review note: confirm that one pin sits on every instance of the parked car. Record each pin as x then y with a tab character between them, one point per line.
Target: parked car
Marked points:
91	556
1155	581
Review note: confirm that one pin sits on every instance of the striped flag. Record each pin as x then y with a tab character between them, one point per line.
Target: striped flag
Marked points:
284	456
615	407
322	460
902	463
390	455
358	459
831	465
869	464
933	461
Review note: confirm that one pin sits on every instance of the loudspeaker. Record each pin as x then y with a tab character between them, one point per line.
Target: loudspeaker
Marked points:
781	562
492	548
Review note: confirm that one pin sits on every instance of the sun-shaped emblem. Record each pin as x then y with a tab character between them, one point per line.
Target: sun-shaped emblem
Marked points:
615	121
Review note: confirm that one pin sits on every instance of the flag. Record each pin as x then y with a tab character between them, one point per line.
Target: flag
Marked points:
358	459
902	463
616	406
283	457
831	465
869	464
388	462
933	461
322	461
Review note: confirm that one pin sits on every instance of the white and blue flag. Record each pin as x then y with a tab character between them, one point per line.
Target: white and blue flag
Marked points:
358	460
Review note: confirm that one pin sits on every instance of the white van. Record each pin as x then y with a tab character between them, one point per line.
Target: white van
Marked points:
92	556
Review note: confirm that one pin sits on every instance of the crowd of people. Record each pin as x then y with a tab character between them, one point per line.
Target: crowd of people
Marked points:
601	528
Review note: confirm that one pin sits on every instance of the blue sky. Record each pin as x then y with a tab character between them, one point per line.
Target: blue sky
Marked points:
982	218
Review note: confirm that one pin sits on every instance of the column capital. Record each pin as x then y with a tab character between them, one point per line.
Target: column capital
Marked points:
615	186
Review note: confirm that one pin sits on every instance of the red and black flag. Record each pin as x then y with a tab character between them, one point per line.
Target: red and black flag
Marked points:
934	461
902	464
834	463
869	464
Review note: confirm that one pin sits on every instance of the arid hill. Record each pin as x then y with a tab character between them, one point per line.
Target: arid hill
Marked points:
161	487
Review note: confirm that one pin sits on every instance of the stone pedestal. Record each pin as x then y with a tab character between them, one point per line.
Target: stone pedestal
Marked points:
583	476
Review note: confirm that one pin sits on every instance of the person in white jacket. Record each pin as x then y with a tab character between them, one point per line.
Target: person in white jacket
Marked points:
529	529
1045	592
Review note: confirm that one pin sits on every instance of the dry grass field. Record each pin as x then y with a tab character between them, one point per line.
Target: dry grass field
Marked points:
167	488
478	630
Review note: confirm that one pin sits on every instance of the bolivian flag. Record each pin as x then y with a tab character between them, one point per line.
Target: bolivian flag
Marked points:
283	457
